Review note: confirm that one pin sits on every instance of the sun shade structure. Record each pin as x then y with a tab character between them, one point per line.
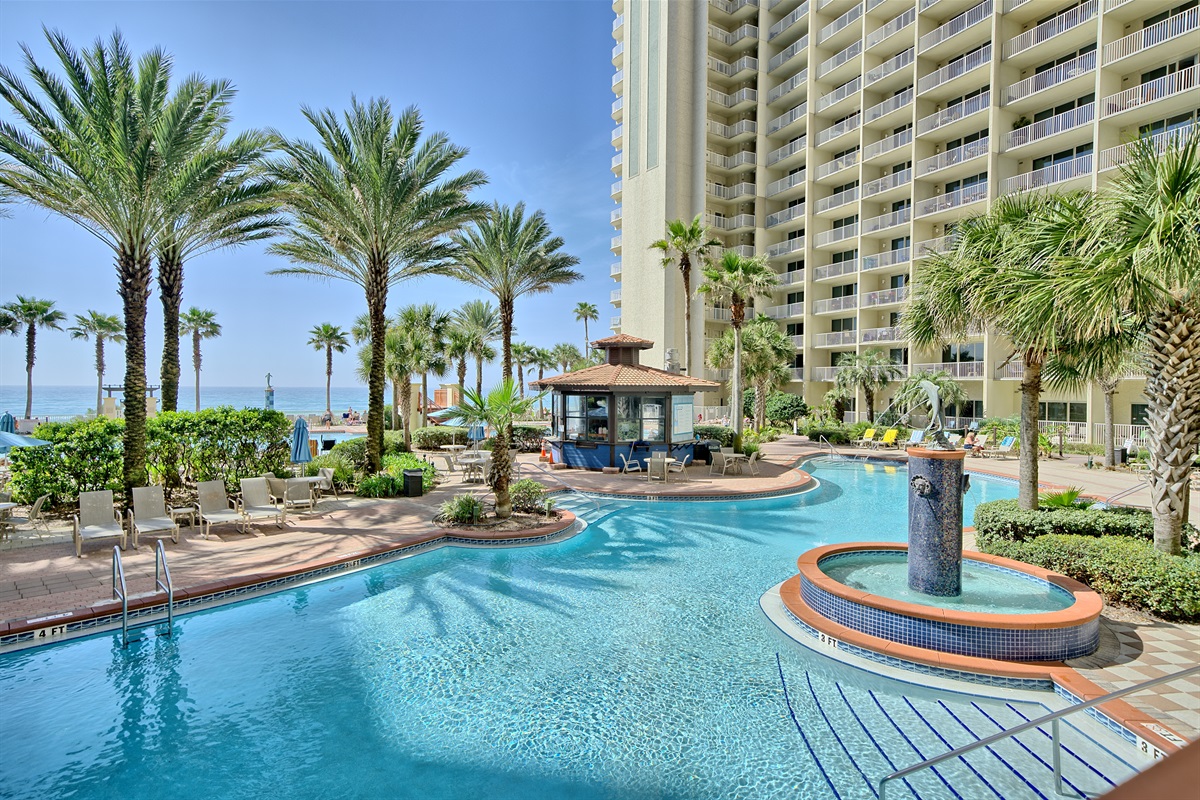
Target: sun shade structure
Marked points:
620	407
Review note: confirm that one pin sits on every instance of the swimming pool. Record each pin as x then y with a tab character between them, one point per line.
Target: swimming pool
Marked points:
629	662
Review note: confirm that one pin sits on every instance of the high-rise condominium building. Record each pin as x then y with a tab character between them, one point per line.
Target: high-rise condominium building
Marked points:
844	139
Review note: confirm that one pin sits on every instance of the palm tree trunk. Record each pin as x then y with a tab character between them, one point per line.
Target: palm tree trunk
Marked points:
170	288
196	365
1110	447
541	407
1031	390
869	395
406	410
134	275
462	373
396	405
424	399
99	373
685	270
586	339
328	377
1173	395
376	383
736	410
506	329
479	375
30	345
521	378
760	407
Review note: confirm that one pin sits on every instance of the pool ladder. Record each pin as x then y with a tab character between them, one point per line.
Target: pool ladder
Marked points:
162	582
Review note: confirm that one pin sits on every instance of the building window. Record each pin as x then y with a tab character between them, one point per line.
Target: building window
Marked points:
898	355
587	417
845	324
795	297
1137	413
641	418
962	353
1062	412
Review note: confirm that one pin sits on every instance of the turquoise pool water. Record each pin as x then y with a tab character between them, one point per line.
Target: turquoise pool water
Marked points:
629	662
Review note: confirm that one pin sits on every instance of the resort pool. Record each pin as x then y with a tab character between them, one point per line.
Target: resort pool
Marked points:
631	661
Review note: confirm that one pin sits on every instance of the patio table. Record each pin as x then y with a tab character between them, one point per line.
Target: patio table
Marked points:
736	460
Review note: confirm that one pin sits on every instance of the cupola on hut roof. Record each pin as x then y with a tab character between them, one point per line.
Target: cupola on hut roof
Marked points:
622	340
623	371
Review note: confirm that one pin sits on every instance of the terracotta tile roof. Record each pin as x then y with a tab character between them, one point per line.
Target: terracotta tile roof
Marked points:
624	376
623	340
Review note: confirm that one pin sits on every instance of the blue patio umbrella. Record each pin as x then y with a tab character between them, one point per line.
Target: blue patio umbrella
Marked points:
10	440
476	433
301	454
7	423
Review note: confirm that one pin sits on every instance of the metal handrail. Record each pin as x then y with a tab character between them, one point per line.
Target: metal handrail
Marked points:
829	444
121	592
1052	718
160	561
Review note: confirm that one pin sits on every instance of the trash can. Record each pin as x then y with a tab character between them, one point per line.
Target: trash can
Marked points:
413	486
1121	455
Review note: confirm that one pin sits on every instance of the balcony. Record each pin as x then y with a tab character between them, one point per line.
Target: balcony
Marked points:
793	278
791	19
617	133
616	244
954	27
718	314
941	244
837	165
615	269
784	120
892	334
1116	156
1052	126
785	311
885	221
614	297
894	103
743	250
837	200
887	182
617	105
743	64
957	369
892	258
745	158
885	297
837	234
617	24
893	142
839	94
955	69
1169	29
1080	167
615	216
617	79
959	155
788	53
719	375
615	191
786	247
953	113
787	215
783	184
1081	65
847	125
833	304
797	372
1152	92
617	52
838	25
825	374
733	6
830	64
787	87
896	62
616	162
729	223
828	271
742	97
744	129
614	324
835	339
733	38
744	189
894	26
952	200
787	151
1062	23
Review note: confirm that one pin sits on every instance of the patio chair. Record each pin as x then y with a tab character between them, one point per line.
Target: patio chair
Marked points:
720	462
276	488
298	493
868	438
34	519
752	463
888	440
1005	447
97	519
917	437
328	484
657	467
149	514
449	459
980	446
215	506
681	467
629	466
256	503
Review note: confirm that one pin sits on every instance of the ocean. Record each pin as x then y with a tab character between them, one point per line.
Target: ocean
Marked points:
64	402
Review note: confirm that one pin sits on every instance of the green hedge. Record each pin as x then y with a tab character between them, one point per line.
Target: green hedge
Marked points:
721	433
834	434
1002	520
395	464
1121	568
436	436
355	450
82	457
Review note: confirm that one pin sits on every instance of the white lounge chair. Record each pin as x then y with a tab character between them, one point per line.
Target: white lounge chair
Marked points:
297	494
328	484
215	506
276	488
656	467
752	463
720	462
915	438
681	467
629	466
98	518
34	519
1003	449
149	514
256	503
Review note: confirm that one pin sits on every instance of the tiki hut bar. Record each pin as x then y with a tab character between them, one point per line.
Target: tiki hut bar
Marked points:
620	408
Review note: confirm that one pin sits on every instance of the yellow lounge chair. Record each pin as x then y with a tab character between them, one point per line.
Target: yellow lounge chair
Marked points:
867	439
889	439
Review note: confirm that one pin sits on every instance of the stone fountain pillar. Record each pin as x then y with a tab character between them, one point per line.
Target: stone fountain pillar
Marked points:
935	521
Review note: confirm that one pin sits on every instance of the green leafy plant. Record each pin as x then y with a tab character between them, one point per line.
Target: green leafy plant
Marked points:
465	509
528	496
343	470
784	408
380	485
1065	499
1003	520
435	437
82	457
395	464
721	433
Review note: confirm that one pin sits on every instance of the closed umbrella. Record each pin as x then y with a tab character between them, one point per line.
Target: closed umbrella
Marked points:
301	454
10	440
7	423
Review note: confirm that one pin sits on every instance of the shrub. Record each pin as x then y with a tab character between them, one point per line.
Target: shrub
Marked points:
343	470
528	496
396	463
749	448
784	408
721	433
1065	499
380	485
220	443
353	450
464	508
834	434
528	438
1001	520
1121	568
436	436
82	456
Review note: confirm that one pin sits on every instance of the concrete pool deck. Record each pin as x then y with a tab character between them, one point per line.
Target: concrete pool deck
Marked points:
40	575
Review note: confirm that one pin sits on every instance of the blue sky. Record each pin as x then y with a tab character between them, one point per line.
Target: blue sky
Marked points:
524	85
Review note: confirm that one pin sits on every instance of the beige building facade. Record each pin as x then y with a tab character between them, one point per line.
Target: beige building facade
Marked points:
843	140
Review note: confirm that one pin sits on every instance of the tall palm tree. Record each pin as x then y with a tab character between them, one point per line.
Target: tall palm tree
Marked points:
766	359
100	328
983	280
870	371
426	326
328	337
373	205
543	359
738	280
566	355
32	313
99	146
684	243
1144	265
458	350
481	320
583	313
523	355
199	324
401	356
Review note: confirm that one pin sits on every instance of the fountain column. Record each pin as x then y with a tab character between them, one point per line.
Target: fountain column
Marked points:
935	521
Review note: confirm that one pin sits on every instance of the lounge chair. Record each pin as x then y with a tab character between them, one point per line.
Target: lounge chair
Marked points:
256	503
329	484
681	467
888	440
979	446
629	466
917	437
149	514
276	488
953	439
298	494
35	517
868	438
215	506
720	462
752	463
1005	447
97	519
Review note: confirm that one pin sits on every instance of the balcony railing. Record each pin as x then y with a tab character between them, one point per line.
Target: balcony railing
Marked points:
839	199
732	131
729	223
731	100
789	149
885	221
731	38
959	197
786	247
733	6
617	77
889	259
834	131
827	374
787	215
835	339
838	234
729	70
617	159
953	113
957	369
1055	173
896	62
1077	66
785	311
783	120
949	158
791	84
839	94
1181	24
615	269
791	19
1059	123
618	49
618	22
889	144
894	26
718	314
888	106
885	297
616	187
830	64
955	26
892	334
617	132
740	159
887	182
618	104
788	53
836	304
1061	23
616	242
615	215
614	296
793	278
614	323
1166	86
783	184
940	244
840	23
837	164
955	69
834	270
730	192
1012	5
1116	156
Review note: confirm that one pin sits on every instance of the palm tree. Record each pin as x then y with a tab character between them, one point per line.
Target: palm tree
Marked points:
458	349
329	338
100	147
1145	267
481	320
401	354
766	359
738	280
566	355
983	280
543	359
522	356
100	328
684	243
498	409
200	324
583	313
372	205
426	327
872	371
911	395
31	313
